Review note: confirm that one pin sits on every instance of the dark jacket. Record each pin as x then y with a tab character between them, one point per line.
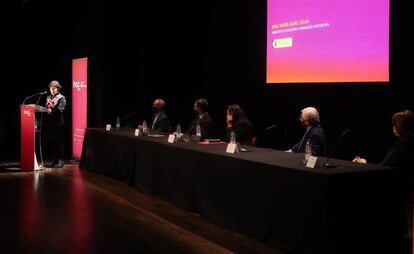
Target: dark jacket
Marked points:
206	126
401	155
243	130
317	138
55	121
162	124
56	117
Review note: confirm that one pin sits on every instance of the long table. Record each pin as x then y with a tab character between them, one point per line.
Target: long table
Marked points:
267	194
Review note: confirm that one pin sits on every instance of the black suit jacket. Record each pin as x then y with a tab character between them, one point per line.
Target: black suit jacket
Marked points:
56	117
317	138
401	155
206	126
243	130
162	124
55	121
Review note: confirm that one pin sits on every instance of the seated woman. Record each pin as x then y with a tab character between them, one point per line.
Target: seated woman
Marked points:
401	155
238	122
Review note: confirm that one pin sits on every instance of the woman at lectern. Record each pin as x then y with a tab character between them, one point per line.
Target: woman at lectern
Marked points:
55	123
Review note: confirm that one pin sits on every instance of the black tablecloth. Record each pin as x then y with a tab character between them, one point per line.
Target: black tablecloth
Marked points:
264	193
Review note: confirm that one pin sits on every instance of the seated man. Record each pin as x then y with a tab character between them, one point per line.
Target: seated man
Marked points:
160	121
309	118
202	119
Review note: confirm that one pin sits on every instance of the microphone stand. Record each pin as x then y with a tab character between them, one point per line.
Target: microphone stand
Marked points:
126	116
33	95
39	126
326	164
264	131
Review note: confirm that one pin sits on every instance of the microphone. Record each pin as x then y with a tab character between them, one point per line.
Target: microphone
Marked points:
128	115
266	129
326	164
254	140
41	94
28	97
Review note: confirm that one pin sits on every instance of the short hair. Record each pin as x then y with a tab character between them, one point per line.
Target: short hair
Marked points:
55	83
403	122
203	104
311	114
162	102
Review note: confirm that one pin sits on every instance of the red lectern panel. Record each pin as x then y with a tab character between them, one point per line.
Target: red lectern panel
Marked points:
27	116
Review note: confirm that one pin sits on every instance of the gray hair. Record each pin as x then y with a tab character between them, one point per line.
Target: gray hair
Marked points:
311	114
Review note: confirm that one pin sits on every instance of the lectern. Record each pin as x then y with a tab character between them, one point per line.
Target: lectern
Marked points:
28	136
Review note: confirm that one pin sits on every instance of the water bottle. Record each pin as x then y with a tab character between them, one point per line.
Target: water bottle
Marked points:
232	137
308	150
118	122
198	130
144	127
178	131
36	125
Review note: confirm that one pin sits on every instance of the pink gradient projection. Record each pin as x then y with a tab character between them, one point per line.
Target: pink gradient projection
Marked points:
332	41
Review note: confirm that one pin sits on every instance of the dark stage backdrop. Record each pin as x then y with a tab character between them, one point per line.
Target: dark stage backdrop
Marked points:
183	50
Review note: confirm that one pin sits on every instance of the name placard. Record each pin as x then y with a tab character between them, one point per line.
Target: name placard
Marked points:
137	132
171	138
311	162
196	138
232	148
108	127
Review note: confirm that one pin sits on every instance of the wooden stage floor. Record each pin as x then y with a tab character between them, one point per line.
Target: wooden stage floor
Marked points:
69	210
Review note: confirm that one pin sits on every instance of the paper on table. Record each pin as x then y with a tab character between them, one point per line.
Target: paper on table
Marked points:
156	135
210	143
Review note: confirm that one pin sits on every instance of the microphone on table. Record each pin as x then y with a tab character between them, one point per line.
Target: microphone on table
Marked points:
128	115
125	117
326	164
254	140
266	129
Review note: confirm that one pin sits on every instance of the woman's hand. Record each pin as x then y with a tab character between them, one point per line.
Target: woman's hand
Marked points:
229	120
359	160
50	103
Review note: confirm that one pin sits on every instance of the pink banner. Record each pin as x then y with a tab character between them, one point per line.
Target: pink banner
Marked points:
27	131
79	104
